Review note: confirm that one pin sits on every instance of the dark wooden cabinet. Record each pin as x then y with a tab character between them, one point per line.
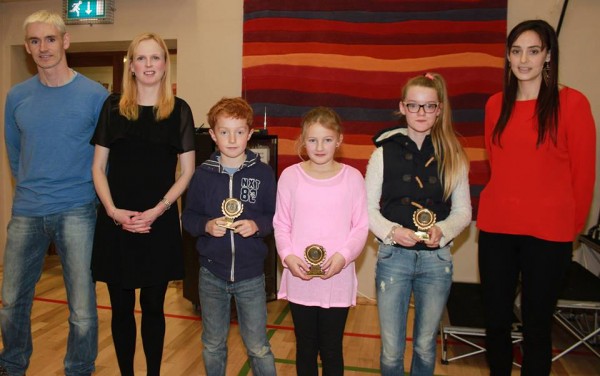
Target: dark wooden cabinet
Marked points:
266	146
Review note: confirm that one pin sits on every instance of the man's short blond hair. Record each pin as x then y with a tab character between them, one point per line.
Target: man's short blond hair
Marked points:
47	17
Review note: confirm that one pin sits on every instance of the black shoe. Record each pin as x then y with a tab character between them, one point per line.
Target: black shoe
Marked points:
3	371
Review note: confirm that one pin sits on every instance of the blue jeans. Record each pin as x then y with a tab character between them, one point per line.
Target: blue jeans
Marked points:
28	239
250	300
428	276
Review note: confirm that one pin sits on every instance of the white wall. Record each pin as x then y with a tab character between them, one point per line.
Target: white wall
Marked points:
209	44
209	64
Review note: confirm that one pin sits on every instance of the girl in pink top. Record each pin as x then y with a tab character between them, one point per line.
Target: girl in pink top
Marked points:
320	202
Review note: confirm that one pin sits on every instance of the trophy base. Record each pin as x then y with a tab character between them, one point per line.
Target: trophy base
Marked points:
422	235
315	271
227	225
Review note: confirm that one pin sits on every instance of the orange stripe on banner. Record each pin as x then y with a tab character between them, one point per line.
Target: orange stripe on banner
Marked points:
291	133
362	63
347	150
476	154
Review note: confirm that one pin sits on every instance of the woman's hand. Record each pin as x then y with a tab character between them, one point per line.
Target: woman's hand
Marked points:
297	267
333	265
141	223
124	218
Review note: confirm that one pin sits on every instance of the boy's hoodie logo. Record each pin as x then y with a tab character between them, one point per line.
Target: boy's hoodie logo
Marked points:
249	190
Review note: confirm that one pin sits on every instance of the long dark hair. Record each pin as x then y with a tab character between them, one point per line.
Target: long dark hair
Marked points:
547	105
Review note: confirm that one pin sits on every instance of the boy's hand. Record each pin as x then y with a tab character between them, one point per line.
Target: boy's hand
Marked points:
245	227
212	227
333	265
297	267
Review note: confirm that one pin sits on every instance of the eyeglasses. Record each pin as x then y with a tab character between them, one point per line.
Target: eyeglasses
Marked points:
429	108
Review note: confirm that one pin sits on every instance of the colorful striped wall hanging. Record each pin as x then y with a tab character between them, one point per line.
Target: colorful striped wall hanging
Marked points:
355	56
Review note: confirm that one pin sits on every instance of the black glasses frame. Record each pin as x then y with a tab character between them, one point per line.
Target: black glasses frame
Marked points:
428	108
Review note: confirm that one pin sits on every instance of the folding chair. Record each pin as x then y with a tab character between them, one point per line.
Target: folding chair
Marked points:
578	308
463	319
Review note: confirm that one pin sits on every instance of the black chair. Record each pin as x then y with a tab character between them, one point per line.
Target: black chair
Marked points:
578	307
463	320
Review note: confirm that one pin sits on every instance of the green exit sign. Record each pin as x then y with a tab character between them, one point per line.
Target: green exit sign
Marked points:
88	11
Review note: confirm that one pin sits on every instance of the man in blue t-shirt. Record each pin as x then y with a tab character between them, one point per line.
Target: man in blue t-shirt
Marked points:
49	121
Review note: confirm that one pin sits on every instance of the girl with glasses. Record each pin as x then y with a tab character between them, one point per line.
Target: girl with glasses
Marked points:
418	201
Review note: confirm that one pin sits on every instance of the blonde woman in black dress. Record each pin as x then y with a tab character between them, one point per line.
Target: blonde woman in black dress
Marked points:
140	137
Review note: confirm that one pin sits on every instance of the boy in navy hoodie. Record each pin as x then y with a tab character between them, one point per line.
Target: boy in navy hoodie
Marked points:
229	206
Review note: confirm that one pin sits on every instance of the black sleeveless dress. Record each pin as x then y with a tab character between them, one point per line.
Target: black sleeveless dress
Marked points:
141	168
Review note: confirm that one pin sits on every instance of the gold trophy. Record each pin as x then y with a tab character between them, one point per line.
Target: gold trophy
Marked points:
424	219
315	256
231	208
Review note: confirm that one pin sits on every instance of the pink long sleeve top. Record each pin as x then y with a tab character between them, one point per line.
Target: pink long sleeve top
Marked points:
330	212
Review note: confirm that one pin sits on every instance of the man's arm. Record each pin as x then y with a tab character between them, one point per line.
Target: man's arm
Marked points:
12	136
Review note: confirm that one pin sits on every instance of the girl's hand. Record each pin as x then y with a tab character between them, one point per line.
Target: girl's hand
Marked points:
405	237
435	235
297	267
212	227
333	265
245	227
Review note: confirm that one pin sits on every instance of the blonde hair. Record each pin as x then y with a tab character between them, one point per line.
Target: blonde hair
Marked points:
235	108
325	116
449	153
46	17
128	105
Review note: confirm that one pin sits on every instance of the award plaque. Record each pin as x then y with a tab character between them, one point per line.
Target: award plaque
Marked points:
424	219
231	208
315	256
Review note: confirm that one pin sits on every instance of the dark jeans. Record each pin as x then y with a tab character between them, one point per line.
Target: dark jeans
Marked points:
123	327
542	265
319	331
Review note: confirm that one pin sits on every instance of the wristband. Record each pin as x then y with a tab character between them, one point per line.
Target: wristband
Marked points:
389	239
113	217
166	203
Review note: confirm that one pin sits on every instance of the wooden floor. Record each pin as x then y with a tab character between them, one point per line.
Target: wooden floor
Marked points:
182	355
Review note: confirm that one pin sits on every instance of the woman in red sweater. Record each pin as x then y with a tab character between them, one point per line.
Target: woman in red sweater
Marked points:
540	139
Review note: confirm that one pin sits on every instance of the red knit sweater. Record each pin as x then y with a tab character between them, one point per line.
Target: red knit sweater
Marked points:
544	192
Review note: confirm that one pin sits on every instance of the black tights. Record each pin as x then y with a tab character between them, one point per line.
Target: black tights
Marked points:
123	327
319	331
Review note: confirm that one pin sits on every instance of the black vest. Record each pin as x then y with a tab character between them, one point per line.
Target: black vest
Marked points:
404	166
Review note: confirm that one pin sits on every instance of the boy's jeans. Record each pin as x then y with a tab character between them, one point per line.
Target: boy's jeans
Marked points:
27	243
250	300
